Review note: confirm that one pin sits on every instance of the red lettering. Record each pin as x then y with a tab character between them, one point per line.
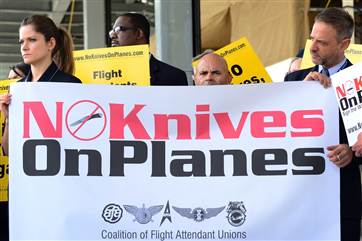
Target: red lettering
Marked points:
183	126
302	119
118	122
341	92
226	126
260	121
202	122
358	83
42	119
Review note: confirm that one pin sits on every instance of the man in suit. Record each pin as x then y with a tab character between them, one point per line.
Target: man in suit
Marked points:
133	29
212	69
330	36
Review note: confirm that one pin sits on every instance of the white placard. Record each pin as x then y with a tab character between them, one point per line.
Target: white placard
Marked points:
99	162
347	85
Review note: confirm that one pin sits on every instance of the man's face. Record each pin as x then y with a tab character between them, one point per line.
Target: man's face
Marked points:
123	32
326	49
212	70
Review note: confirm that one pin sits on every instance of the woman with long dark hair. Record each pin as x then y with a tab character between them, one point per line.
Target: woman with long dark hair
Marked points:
48	51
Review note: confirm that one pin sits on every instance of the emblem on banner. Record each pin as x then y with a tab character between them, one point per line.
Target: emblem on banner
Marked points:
143	215
198	214
112	213
236	213
166	214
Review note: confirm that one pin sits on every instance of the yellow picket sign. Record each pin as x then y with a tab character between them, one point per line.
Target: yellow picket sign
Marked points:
244	65
353	53
4	162
127	65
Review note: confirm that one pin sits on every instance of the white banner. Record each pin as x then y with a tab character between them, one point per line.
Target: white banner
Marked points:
98	162
347	85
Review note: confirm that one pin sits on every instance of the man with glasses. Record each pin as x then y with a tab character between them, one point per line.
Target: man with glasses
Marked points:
134	29
331	36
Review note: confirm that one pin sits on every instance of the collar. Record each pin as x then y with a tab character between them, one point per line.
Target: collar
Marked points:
336	68
47	76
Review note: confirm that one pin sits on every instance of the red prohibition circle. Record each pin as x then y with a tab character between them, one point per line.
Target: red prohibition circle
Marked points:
97	107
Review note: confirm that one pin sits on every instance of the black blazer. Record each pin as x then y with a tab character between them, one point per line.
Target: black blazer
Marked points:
53	74
350	183
165	74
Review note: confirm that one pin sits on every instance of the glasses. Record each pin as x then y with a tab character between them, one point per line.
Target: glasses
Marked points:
119	29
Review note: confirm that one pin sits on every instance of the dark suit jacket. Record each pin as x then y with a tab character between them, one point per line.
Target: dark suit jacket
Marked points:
350	184
165	74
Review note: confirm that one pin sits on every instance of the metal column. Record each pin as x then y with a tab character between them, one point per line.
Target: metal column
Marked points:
94	24
173	20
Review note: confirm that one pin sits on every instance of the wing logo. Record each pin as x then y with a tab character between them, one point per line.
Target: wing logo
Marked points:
198	214
143	215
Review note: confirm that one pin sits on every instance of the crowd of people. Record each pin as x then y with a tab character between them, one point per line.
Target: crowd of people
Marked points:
47	56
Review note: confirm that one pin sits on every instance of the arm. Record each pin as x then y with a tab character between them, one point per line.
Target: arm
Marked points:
5	139
4	105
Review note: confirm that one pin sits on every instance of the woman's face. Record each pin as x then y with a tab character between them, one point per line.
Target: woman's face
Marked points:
34	49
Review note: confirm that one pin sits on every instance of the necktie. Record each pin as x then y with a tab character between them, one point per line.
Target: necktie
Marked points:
325	71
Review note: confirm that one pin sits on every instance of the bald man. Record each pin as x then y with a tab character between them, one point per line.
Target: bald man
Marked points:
212	69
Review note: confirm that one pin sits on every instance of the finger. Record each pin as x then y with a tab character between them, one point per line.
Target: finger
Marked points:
312	76
331	148
340	161
331	151
326	82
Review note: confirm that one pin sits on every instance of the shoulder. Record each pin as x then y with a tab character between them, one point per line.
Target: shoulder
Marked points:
166	67
298	75
65	77
166	71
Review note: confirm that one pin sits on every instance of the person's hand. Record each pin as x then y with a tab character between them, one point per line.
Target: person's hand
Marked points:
316	76
341	155
357	147
4	104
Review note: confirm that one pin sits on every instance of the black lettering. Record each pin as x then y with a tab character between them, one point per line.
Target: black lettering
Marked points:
236	70
263	157
343	103
158	159
72	162
218	160
303	157
197	163
4	169
118	159
52	157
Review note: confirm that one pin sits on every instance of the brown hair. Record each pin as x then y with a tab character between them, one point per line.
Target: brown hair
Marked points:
63	52
339	19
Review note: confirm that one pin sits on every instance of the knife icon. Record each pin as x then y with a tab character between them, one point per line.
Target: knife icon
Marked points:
86	118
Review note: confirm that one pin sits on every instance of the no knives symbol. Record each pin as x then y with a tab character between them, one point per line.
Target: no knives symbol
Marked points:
86	120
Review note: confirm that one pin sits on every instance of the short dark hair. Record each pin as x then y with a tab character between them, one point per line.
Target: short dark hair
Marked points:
141	22
339	19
